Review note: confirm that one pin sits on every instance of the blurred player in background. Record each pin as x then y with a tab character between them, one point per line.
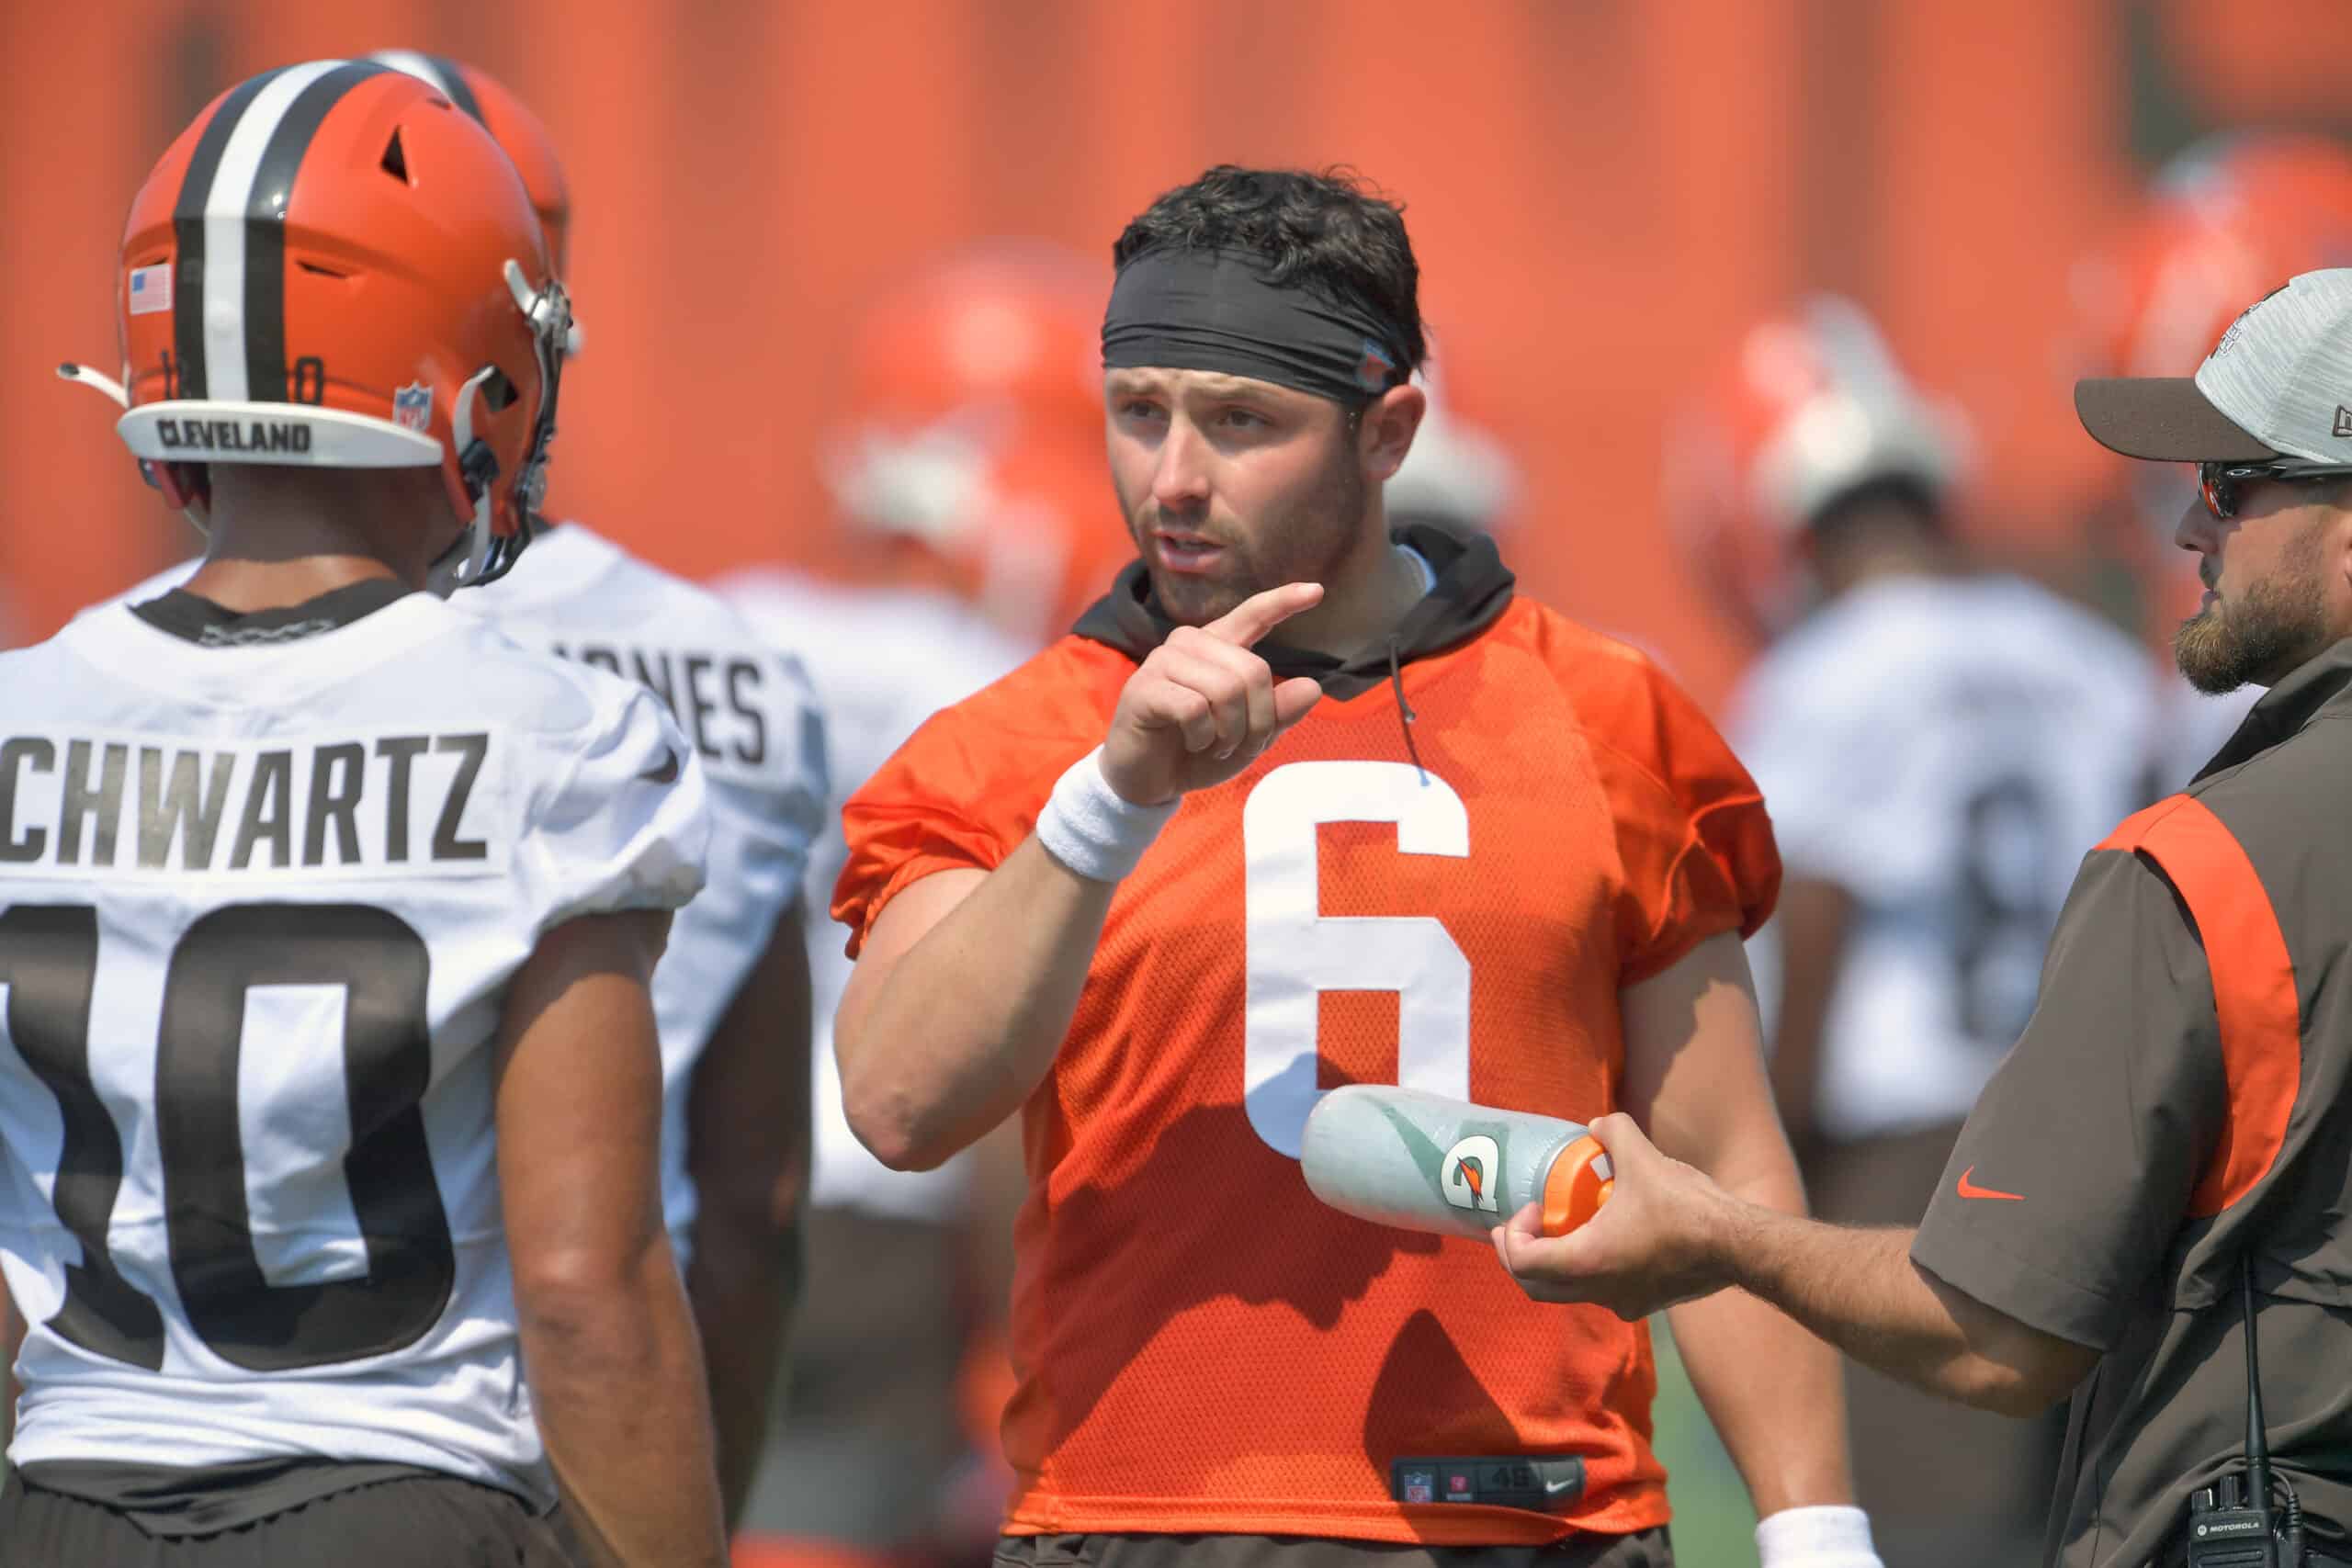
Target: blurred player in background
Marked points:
968	529
1458	476
1939	750
1490	854
328	916
2226	221
731	993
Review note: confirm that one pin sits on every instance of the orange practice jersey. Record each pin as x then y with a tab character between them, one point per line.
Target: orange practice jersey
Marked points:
1201	1345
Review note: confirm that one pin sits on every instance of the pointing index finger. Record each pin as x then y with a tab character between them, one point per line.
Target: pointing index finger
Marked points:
1261	613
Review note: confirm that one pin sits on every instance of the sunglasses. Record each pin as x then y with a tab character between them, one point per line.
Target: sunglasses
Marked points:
2220	484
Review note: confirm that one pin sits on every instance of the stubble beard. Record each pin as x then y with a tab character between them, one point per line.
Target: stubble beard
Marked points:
1305	539
2273	625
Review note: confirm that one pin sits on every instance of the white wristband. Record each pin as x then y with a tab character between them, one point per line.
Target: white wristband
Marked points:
1820	1537
1092	829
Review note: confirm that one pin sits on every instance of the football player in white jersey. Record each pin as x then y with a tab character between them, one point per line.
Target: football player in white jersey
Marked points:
1938	748
330	1086
732	994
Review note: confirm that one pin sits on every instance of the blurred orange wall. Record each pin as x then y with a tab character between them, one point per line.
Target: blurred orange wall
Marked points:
1599	192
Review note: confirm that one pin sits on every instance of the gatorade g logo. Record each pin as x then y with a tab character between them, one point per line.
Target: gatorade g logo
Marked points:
1471	1168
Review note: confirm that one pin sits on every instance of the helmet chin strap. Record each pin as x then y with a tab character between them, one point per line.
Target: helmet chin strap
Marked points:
461	565
69	371
555	335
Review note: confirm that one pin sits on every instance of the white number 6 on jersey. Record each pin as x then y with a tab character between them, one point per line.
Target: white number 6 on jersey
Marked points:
1295	953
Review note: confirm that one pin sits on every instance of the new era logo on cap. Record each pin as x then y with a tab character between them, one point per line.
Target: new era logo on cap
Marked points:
2343	421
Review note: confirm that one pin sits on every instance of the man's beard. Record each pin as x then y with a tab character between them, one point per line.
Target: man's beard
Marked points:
2276	624
1303	539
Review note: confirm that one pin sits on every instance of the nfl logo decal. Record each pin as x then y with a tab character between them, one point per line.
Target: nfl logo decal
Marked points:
1420	1486
412	407
1374	371
151	290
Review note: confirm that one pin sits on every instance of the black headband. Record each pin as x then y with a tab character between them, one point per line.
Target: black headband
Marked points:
1178	308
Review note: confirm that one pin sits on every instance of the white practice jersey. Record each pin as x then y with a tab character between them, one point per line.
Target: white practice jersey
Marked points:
748	714
1946	751
262	891
883	661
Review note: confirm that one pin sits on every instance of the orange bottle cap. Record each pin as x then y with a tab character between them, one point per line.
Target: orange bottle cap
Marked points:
1577	1186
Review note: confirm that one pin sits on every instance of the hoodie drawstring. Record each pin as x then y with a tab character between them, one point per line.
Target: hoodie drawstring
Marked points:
1405	715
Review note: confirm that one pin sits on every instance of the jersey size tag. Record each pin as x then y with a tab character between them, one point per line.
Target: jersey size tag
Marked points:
1546	1483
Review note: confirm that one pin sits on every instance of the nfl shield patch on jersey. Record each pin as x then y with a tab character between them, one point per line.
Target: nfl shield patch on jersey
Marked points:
412	407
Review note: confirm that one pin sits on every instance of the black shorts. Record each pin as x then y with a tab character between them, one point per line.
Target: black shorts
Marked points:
412	1522
1649	1549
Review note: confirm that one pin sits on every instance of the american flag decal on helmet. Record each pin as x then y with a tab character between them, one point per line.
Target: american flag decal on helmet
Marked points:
151	290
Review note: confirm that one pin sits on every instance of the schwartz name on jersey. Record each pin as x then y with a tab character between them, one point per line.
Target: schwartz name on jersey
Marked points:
751	717
263	880
1946	751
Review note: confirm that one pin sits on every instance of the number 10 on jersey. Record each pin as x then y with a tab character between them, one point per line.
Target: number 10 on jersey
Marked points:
48	965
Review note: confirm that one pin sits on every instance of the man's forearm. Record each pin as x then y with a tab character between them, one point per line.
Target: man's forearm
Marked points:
967	1021
742	1284
616	1384
1775	1393
1859	1291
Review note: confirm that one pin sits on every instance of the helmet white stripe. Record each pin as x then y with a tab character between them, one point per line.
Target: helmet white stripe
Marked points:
225	213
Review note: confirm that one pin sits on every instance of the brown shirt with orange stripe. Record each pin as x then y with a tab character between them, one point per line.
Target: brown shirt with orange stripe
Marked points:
1453	900
2178	1103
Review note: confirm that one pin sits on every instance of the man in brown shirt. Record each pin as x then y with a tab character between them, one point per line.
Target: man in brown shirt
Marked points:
2179	1106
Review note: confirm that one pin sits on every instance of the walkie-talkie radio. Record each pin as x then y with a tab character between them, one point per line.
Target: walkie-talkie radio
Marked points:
2234	1524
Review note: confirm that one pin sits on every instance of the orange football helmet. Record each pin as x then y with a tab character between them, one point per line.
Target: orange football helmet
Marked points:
1811	407
332	267
2226	222
976	431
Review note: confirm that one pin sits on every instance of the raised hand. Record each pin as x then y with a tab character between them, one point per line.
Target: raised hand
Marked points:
1201	707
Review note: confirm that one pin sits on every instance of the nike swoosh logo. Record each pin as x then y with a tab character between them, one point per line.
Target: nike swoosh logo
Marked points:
666	773
1554	1488
1970	1189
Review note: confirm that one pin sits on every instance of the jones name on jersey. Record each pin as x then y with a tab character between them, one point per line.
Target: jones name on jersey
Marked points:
721	700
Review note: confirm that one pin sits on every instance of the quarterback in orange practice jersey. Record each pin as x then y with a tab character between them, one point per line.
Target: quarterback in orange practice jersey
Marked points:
1299	804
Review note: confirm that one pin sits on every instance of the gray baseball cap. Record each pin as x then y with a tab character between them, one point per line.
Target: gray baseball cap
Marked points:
2278	385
